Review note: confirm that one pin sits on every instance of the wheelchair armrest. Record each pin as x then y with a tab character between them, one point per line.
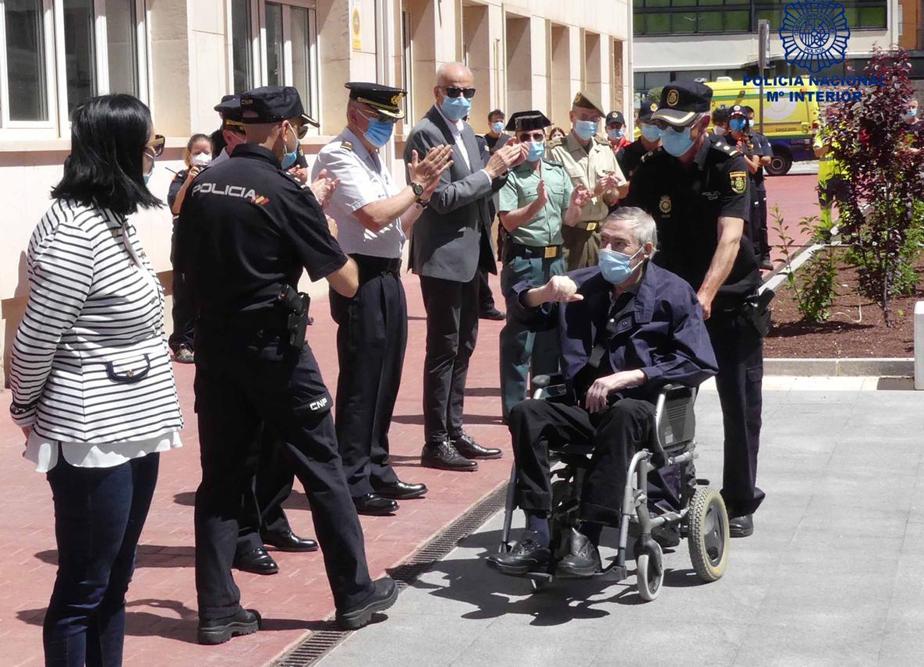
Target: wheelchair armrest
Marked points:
675	423
543	381
546	387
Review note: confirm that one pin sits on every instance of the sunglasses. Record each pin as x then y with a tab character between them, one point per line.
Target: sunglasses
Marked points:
301	131
452	91
156	146
531	136
662	125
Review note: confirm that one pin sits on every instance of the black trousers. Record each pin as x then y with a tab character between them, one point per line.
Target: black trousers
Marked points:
616	434
485	296
739	351
371	341
268	488
758	224
243	381
452	330
183	312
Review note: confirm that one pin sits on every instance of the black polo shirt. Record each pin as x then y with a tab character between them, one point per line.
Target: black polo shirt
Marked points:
756	145
687	201
246	230
630	157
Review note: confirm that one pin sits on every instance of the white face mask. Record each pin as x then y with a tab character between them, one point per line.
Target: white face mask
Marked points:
201	159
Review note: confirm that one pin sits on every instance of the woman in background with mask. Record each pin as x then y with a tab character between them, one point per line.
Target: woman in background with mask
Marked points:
93	337
197	156
535	202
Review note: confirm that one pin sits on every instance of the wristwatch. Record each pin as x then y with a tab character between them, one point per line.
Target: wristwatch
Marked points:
417	188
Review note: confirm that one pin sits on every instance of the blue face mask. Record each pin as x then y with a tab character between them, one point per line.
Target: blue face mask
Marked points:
289	158
615	266
147	176
536	151
651	132
585	129
737	124
497	127
379	132
676	143
616	134
456	108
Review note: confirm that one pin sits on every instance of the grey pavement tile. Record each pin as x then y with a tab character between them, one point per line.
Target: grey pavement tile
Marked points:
901	647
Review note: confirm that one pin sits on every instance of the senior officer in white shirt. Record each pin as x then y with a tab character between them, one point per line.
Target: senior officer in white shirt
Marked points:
373	216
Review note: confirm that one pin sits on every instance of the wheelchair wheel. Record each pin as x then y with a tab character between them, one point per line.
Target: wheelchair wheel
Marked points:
649	572
708	534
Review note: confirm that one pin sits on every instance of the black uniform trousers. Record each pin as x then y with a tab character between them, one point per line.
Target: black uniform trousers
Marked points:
452	330
183	310
261	505
616	433
485	295
241	382
371	341
739	351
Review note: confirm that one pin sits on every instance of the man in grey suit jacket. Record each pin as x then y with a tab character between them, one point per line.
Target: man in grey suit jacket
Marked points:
449	243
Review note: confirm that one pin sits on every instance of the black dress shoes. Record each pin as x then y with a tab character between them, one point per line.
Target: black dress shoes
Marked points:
256	561
492	314
583	560
527	555
381	598
470	449
218	631
402	490
444	456
372	504
286	540
741	526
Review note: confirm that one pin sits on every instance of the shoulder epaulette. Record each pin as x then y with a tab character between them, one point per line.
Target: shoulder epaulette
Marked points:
730	151
347	145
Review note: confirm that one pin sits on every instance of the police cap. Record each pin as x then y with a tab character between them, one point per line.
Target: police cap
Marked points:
229	108
614	117
738	110
525	121
648	106
384	99
271	104
681	101
581	101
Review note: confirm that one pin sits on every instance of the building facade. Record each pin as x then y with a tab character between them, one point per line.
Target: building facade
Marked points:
181	56
690	39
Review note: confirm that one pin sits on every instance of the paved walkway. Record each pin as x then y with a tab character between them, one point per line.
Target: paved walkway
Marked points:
832	575
161	618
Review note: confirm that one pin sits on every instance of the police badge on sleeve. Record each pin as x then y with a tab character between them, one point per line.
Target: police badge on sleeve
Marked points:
739	181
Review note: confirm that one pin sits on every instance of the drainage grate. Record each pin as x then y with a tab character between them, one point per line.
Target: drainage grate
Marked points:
317	644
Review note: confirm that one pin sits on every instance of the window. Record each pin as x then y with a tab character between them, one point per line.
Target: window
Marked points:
861	14
285	54
56	54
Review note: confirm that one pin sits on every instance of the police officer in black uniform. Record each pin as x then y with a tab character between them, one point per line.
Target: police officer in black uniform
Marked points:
697	191
759	194
251	231
630	157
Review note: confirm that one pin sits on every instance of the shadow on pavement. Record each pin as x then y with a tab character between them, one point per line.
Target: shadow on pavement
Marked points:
147	555
418	420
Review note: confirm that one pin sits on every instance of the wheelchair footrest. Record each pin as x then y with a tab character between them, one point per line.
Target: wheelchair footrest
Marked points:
614	572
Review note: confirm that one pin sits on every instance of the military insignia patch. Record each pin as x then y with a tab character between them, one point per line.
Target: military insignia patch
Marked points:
346	145
395	100
665	204
739	181
653	107
672	98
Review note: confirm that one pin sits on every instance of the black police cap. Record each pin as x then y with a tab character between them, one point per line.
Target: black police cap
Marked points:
738	110
615	117
526	121
229	108
647	107
271	104
681	101
384	99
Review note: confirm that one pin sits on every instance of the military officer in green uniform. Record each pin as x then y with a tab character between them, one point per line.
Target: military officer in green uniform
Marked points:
536	200
589	161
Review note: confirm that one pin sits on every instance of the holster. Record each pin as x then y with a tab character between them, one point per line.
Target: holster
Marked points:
295	305
756	312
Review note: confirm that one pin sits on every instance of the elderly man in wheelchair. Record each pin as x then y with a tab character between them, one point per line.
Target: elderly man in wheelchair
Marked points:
628	330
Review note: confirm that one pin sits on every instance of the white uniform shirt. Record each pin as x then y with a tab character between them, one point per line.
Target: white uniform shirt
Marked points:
363	180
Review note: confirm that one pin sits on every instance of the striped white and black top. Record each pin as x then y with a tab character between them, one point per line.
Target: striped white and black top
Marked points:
90	361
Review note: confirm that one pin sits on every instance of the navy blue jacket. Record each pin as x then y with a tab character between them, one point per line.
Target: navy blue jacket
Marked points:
663	332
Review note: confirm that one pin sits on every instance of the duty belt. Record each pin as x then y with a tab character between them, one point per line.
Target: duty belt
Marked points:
533	252
370	266
591	226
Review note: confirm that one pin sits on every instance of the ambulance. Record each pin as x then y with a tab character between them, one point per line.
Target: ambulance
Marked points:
790	114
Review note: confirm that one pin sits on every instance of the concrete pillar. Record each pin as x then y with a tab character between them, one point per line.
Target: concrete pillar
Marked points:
919	345
519	59
170	68
208	62
539	64
560	75
477	55
592	68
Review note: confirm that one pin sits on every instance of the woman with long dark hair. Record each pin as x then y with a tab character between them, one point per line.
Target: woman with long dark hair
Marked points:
93	387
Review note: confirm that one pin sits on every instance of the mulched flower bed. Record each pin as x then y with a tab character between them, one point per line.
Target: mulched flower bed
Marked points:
856	327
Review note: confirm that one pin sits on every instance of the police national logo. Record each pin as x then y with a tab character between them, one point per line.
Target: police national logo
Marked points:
738	181
814	34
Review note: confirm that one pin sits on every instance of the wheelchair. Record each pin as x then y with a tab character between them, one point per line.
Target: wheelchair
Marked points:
702	519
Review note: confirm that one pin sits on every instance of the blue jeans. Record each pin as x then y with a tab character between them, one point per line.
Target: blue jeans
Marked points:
99	514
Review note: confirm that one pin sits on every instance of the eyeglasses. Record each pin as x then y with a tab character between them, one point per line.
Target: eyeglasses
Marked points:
531	136
452	91
156	146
